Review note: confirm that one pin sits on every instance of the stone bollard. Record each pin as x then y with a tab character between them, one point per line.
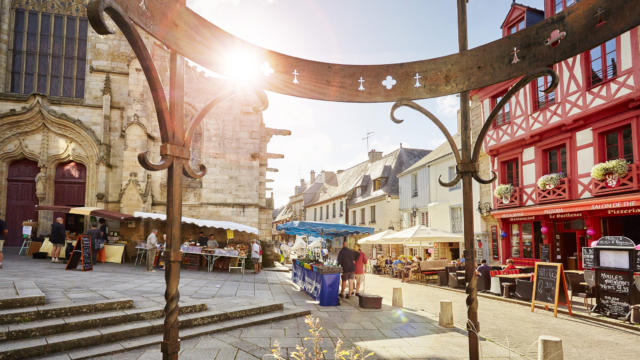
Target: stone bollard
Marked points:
446	314
635	314
397	297
549	348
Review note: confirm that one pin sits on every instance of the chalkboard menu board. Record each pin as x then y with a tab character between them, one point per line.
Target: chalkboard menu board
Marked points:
549	286
588	258
546	278
86	253
614	292
81	254
545	253
615	241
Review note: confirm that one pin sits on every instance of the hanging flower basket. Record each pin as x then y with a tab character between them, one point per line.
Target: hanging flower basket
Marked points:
504	192
547	182
610	172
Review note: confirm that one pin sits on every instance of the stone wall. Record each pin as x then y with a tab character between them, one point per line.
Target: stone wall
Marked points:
116	120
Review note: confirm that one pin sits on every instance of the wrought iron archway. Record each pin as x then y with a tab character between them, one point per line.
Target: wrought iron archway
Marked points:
575	30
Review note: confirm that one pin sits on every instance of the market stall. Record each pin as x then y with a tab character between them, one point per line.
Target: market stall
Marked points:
233	240
114	248
321	281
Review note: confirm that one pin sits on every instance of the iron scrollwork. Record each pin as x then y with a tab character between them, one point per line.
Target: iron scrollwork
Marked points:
472	165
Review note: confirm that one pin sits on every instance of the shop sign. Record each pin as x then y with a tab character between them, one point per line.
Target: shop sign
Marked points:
523	218
631	211
566	216
614	205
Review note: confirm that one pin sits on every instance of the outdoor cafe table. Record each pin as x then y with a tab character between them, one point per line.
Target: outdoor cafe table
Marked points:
515	276
321	287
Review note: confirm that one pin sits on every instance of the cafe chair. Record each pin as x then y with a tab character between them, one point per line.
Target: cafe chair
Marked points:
578	287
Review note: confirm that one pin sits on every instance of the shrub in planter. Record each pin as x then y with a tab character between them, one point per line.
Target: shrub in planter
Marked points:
504	192
549	181
610	171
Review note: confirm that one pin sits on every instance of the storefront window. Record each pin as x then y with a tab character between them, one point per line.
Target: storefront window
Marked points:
515	240
527	240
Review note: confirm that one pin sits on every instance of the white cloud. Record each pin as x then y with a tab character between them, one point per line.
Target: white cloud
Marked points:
448	105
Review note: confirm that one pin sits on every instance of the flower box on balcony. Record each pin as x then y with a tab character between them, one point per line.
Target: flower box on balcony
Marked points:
614	176
507	196
557	192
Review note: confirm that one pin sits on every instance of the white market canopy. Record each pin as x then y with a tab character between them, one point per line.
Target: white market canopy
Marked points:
419	234
227	225
375	238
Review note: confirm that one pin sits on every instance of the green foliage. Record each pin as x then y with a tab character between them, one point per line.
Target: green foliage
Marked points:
550	179
316	352
618	166
503	190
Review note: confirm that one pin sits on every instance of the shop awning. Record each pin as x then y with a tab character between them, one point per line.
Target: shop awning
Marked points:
375	238
419	235
227	225
87	211
609	203
320	229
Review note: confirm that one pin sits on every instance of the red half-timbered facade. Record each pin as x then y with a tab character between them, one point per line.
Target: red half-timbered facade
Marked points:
593	116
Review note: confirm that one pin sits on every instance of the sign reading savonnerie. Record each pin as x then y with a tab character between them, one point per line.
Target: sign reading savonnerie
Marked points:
549	287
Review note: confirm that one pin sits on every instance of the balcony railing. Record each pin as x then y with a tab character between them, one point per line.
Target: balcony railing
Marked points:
512	201
558	193
625	183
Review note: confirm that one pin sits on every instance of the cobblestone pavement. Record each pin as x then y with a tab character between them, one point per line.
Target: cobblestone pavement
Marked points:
391	333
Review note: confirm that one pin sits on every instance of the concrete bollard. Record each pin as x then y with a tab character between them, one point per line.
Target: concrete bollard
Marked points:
549	348
446	314
635	314
397	297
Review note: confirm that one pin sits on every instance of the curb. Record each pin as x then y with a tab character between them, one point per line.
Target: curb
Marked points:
538	306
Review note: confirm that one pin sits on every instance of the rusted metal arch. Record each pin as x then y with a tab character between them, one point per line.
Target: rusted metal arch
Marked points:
586	25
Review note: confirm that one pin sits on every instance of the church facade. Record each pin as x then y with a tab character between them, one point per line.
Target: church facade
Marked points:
76	110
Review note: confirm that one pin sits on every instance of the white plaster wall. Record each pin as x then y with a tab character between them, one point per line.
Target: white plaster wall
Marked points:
528	174
528	154
625	51
585	160
584	137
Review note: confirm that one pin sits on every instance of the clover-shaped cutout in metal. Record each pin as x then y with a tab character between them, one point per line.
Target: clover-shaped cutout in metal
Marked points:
389	82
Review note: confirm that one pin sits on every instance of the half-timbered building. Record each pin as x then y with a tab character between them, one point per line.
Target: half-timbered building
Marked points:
567	161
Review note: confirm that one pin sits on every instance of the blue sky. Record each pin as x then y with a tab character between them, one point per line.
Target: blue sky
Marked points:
328	136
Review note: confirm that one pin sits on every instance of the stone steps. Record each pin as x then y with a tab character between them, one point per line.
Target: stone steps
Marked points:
52	311
52	326
18	294
124	336
115	347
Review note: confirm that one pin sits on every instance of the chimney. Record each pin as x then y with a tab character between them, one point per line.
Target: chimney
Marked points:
312	177
302	182
375	155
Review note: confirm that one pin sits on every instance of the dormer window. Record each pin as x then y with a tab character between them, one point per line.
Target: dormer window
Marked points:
378	183
516	27
358	191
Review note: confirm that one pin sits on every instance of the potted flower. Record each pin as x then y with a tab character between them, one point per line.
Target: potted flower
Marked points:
610	172
549	181
504	192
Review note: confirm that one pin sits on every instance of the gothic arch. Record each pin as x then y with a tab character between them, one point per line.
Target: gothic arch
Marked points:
38	133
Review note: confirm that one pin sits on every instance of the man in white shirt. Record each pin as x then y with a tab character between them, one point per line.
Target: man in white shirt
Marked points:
255	256
152	247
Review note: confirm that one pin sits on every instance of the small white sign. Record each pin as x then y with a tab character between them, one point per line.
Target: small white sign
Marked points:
26	230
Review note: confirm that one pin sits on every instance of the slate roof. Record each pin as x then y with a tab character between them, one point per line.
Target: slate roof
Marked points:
365	173
443	150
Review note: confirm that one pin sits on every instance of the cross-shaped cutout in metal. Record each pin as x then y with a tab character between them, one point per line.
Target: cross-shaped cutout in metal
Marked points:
515	56
361	81
388	82
417	77
295	76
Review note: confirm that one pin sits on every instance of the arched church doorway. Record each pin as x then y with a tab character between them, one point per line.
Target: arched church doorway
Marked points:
70	186
21	198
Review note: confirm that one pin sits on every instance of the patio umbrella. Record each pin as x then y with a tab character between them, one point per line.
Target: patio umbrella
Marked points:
419	234
375	238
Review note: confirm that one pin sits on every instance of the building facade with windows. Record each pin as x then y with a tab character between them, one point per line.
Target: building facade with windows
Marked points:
567	161
76	110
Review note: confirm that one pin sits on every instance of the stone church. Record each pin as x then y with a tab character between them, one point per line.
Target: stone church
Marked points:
76	110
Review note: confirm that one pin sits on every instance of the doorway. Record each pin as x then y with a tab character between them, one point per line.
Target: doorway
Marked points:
569	250
21	198
70	186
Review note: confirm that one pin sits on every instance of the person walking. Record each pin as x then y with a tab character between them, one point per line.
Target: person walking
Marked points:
255	256
57	238
152	247
95	238
3	235
347	259
359	267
